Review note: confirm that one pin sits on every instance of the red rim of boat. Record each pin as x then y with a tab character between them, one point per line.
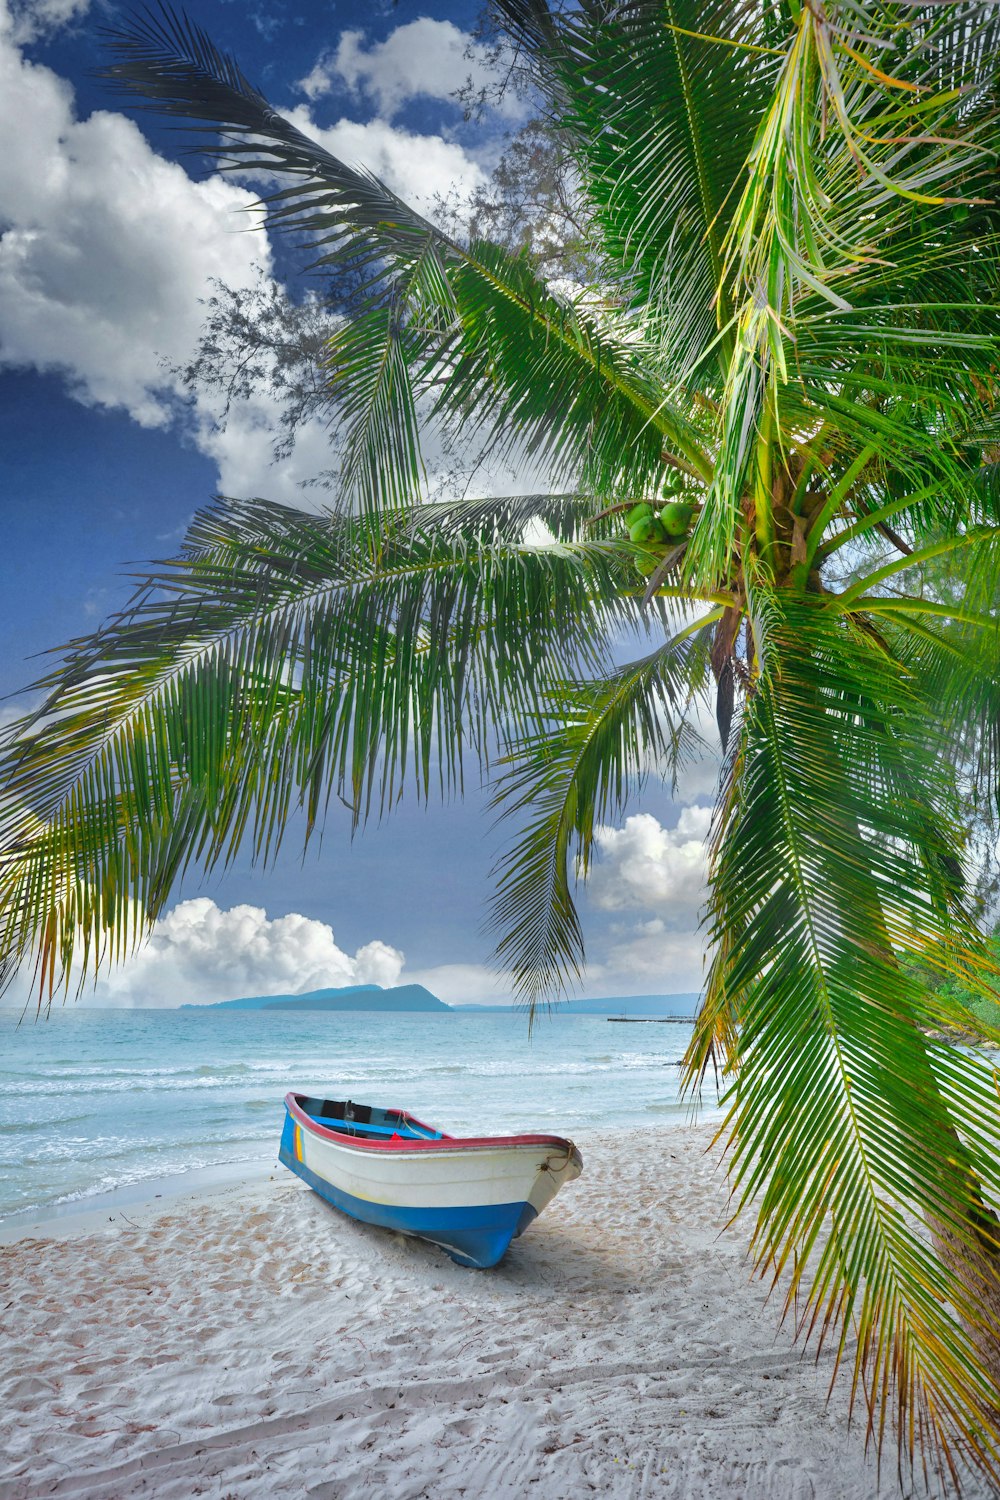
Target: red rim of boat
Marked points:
442	1143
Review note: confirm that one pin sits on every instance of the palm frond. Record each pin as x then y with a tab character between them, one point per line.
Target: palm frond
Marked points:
282	658
572	773
474	324
847	1116
846	204
563	380
660	104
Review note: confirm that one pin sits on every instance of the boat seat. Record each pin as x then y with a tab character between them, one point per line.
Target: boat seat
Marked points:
352	1127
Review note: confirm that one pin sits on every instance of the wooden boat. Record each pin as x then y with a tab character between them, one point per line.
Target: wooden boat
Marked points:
470	1195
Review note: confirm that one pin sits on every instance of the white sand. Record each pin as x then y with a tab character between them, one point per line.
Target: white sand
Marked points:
254	1342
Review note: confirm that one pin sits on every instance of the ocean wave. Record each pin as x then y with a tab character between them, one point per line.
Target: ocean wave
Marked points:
18	1128
136	1085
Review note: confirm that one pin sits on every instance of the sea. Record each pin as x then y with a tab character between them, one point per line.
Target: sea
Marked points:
95	1102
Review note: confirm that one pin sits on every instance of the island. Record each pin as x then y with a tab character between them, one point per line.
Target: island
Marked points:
414	997
371	997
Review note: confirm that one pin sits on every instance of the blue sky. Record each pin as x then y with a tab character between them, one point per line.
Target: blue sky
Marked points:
107	248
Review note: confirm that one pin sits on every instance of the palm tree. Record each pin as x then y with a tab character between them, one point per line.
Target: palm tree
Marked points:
791	349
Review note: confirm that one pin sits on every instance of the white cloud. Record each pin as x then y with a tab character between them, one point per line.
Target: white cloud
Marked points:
29	19
199	953
242	448
420	168
646	959
421	59
106	247
654	880
647	867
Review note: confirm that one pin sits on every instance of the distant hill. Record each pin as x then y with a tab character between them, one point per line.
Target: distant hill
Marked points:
403	997
413	997
684	1005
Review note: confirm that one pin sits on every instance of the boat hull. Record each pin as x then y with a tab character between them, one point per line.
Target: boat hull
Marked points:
471	1197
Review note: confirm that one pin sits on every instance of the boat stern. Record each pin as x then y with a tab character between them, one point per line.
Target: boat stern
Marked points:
290	1148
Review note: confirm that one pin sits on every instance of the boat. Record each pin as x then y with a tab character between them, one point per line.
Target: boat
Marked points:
471	1195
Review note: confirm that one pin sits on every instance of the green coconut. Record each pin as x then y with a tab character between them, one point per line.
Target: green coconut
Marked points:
675	517
647	563
643	529
637	513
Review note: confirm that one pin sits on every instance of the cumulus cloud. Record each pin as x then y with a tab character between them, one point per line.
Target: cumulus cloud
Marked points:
420	168
29	19
241	445
199	952
106	247
107	251
647	959
653	880
644	866
421	59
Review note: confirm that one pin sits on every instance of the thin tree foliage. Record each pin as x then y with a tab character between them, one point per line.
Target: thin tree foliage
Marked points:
788	354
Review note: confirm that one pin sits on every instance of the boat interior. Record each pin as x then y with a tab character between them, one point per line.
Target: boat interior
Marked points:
365	1120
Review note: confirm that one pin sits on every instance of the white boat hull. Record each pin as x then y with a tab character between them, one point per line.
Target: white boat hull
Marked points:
471	1197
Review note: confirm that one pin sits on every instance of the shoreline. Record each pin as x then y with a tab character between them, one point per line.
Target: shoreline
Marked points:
245	1339
88	1214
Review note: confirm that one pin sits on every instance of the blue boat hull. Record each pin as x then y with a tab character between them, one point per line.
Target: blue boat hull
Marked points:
476	1237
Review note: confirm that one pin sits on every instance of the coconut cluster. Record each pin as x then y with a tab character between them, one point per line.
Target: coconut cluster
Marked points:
658	530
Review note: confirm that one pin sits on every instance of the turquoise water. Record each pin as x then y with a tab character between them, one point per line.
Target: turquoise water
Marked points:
96	1100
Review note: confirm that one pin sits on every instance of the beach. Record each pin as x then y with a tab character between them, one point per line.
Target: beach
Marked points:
250	1341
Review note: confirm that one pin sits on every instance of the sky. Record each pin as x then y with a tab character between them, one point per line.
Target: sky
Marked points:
111	240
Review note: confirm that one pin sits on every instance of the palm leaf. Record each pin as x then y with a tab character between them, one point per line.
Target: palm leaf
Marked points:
662	118
574	771
283	657
821	876
429	302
